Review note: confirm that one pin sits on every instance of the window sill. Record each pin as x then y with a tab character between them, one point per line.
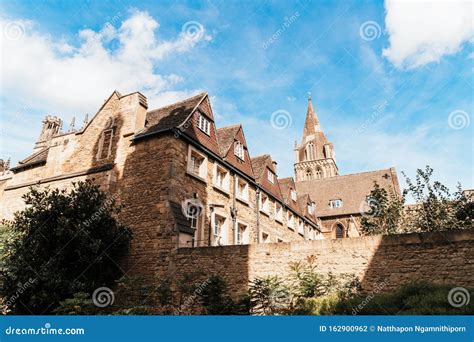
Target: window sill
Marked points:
280	221
302	234
196	176
291	228
224	191
242	200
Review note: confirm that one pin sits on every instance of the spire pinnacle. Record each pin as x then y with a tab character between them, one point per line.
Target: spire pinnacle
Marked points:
311	124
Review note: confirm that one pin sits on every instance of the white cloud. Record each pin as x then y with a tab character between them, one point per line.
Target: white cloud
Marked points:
56	76
424	31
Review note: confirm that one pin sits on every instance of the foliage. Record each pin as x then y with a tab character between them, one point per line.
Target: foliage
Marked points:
415	298
216	301
437	208
80	304
66	241
385	212
269	295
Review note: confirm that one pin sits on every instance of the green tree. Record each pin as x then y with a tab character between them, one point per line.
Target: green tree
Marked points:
385	212
65	242
436	208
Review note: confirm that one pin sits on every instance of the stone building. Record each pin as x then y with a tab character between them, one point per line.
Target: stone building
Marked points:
183	181
340	199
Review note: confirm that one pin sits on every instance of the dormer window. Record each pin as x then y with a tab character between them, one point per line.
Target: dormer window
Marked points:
204	124
311	208
293	195
239	150
270	176
336	203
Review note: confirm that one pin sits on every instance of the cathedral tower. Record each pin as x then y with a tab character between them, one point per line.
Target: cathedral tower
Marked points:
315	155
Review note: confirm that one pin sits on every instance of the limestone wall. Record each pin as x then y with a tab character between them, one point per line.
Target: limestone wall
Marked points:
441	258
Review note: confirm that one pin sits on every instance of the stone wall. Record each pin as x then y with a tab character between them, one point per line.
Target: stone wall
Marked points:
441	258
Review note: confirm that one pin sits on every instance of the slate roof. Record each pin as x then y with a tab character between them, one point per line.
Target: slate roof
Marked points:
352	189
36	158
285	185
225	137
259	166
171	116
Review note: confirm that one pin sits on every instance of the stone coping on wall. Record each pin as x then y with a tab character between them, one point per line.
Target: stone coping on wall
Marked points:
438	238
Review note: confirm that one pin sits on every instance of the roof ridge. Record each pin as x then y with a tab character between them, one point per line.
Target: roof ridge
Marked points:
230	126
203	94
349	174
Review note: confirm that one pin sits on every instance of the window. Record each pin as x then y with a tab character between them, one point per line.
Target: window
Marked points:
197	163
310	151
271	176
239	150
265	238
264	202
337	203
301	227
278	212
242	234
221	178
192	214
291	220
242	190
311	208
203	124
319	173
309	174
105	144
219	230
339	231
293	195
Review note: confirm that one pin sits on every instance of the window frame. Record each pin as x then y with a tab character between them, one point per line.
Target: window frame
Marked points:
270	176
202	175
293	195
102	142
278	212
264	205
204	124
333	202
239	150
225	186
246	194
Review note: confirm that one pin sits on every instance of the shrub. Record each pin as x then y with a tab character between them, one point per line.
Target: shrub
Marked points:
269	296
65	242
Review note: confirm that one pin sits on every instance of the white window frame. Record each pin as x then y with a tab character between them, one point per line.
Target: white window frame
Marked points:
219	238
218	170
270	176
293	195
202	174
264	203
301	227
239	150
278	212
290	219
311	208
204	124
335	203
242	237
245	195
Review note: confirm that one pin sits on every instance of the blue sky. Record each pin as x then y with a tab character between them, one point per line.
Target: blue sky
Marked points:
392	82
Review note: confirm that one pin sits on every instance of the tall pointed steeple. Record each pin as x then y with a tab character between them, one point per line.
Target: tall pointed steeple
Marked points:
315	155
311	124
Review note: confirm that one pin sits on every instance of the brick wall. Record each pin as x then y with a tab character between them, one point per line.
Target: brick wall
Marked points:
441	258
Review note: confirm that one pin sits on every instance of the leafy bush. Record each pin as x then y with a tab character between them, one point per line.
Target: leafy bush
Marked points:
269	296
65	242
216	301
80	304
416	298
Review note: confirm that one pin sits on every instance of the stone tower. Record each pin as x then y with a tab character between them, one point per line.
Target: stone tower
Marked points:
51	127
315	155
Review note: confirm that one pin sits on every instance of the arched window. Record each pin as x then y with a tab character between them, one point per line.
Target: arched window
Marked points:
339	231
309	174
319	173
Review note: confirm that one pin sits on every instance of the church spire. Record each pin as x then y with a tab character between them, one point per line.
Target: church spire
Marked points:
311	124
